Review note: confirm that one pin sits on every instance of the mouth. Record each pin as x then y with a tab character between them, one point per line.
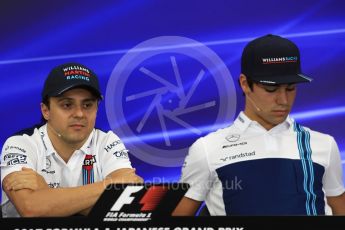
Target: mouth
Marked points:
77	126
280	112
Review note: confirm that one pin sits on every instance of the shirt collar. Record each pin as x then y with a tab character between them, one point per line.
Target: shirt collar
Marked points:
49	146
243	122
87	145
46	141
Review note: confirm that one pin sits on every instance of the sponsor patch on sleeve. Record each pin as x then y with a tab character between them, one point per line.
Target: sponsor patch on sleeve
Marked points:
121	153
15	159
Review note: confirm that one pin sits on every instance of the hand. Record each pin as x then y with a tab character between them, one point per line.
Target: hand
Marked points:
25	179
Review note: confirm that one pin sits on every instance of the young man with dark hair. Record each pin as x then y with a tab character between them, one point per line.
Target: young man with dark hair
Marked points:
265	163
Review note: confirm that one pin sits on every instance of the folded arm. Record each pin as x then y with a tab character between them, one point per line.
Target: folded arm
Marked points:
45	201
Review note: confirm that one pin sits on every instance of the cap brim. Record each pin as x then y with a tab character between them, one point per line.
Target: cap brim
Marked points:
285	79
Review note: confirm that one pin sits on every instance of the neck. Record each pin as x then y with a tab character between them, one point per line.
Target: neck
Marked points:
256	117
63	148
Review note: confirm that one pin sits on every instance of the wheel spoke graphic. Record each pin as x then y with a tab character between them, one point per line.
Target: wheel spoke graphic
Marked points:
192	88
183	123
162	123
145	94
148	112
182	105
158	78
177	76
193	108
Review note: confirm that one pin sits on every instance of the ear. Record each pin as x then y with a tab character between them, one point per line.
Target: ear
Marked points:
45	111
244	84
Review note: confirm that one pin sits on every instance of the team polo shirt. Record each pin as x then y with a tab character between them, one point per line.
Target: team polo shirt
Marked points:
101	154
246	170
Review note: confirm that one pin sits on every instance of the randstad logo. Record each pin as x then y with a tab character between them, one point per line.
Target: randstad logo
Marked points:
279	60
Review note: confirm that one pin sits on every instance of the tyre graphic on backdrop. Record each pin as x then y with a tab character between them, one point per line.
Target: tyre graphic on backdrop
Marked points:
165	93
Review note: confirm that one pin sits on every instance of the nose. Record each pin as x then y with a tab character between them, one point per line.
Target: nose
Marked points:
282	97
78	111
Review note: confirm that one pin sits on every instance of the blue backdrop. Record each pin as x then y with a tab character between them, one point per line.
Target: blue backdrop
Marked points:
168	69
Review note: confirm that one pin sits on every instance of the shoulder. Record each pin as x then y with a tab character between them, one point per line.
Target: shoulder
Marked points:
106	136
321	140
212	142
28	131
319	135
111	151
218	136
108	141
22	138
20	146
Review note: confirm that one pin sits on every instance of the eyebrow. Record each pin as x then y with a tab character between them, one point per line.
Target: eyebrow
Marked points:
72	99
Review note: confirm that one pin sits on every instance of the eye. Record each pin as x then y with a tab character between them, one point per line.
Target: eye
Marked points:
88	105
66	105
291	88
270	88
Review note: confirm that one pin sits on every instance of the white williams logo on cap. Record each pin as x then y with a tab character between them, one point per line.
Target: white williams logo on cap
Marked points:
69	68
76	72
279	60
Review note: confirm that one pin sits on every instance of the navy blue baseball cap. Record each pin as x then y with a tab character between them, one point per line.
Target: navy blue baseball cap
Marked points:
70	75
272	59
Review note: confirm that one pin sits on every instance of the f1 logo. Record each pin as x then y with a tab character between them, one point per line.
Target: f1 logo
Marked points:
125	197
